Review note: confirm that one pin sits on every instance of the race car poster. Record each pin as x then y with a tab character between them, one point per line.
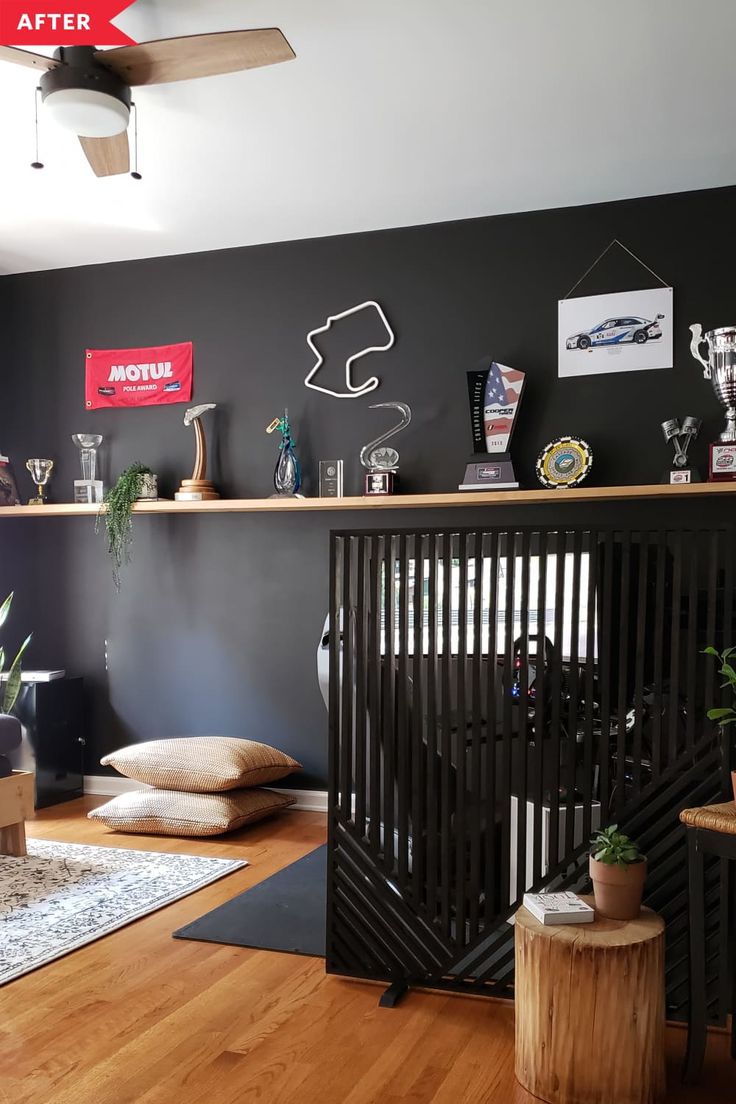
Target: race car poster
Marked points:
138	377
629	331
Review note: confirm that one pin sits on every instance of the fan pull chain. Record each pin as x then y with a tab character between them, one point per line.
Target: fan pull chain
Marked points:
37	164
135	174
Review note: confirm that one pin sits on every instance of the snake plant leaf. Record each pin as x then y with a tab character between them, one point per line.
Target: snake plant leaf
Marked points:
12	686
718	714
5	609
2	660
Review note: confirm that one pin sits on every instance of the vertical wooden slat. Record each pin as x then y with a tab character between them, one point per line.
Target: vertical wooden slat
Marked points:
375	696
433	775
523	702
348	667
676	617
388	727
461	838
605	645
693	658
710	620
540	708
556	722
571	746
507	891
333	765
403	777
623	689
658	656
446	737
475	821
417	732
491	864
642	655
589	748
361	695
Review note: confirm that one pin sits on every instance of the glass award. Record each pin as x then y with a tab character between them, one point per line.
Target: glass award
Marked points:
88	489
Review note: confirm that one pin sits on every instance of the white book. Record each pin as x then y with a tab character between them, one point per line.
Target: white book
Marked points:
36	676
558	908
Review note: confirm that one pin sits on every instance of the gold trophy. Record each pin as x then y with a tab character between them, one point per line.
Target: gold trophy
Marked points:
40	474
198	488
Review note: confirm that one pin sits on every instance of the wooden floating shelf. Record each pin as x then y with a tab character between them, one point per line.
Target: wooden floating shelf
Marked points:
394	502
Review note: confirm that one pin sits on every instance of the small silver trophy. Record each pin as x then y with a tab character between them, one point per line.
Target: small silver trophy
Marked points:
381	463
88	489
681	437
40	474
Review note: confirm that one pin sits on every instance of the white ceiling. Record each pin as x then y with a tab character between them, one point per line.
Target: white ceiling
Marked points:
395	112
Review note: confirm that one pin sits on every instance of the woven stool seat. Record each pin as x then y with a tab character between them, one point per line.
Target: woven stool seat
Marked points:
713	818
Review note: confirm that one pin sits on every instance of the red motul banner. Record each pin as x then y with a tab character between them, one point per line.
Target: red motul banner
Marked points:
138	377
68	23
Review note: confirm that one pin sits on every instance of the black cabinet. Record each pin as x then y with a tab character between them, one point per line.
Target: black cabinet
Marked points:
52	715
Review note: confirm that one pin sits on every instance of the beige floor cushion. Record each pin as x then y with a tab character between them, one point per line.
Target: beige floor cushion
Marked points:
202	764
171	813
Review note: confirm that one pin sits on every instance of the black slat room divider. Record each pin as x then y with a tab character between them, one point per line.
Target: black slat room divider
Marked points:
495	695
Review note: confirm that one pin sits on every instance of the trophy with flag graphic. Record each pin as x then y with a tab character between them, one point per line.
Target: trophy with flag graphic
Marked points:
495	392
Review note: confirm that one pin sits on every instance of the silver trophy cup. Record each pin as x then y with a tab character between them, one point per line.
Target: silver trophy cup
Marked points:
719	368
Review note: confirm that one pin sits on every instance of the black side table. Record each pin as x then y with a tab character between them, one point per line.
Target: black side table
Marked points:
711	830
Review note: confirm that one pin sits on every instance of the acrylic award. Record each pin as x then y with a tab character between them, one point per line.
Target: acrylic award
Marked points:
494	391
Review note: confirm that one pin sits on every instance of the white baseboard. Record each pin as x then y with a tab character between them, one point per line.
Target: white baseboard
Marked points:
312	801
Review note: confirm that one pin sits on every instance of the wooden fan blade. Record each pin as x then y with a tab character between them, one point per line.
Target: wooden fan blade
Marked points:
107	156
25	57
207	55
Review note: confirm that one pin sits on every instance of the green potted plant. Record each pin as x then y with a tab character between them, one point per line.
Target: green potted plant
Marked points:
117	510
726	714
10	729
618	872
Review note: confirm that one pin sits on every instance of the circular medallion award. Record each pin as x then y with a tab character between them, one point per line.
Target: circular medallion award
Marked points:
564	462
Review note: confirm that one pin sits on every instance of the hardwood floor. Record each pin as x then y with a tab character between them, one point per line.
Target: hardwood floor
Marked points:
141	1018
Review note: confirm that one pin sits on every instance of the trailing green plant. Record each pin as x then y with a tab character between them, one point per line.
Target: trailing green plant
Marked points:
12	683
725	714
116	512
614	848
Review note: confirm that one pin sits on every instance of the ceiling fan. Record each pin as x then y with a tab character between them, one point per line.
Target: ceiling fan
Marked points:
87	90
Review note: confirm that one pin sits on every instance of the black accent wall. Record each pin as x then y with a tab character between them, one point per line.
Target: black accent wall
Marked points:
216	627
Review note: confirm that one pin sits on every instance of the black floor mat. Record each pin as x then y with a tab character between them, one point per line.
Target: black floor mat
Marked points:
284	913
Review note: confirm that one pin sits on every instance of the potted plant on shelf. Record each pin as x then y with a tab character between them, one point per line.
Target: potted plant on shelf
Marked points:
618	872
137	481
726	714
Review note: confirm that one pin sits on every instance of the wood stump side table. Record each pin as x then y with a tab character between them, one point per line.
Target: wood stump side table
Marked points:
590	1010
16	803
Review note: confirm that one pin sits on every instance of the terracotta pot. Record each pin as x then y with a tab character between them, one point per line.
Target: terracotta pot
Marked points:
618	889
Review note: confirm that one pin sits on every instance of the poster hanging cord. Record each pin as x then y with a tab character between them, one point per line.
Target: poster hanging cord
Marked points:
600	257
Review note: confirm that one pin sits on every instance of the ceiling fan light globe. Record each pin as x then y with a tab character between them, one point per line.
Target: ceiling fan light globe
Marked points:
87	112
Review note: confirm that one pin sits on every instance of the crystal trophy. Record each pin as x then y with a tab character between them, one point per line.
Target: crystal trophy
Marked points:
382	463
88	489
494	391
720	369
287	475
681	437
40	474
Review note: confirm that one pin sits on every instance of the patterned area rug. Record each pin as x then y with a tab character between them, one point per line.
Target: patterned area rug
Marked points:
63	895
